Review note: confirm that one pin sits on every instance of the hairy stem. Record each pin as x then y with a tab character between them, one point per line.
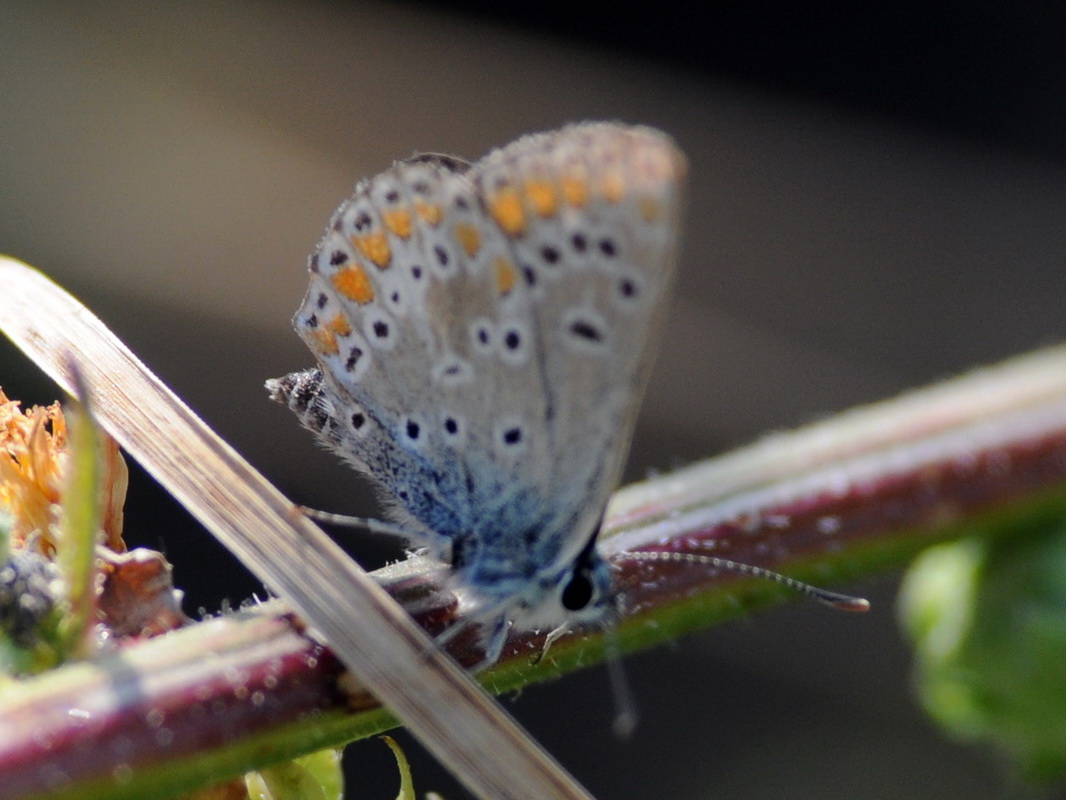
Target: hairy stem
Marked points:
849	497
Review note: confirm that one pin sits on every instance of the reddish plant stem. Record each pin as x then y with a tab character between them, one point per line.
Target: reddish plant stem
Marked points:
229	694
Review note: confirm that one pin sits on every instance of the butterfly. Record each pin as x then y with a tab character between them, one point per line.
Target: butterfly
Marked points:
483	334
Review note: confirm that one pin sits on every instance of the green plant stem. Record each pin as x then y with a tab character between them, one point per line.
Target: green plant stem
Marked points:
79	532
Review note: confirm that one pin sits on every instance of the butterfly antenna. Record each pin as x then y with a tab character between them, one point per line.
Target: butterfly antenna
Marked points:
346	521
842	602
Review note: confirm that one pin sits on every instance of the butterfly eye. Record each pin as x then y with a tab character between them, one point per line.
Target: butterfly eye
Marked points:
588	583
577	594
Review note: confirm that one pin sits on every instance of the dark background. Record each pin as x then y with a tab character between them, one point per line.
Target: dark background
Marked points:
877	201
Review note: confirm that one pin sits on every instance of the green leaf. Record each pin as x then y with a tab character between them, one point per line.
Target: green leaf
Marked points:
317	776
988	620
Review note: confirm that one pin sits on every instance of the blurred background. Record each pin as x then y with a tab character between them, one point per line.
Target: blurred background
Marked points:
878	197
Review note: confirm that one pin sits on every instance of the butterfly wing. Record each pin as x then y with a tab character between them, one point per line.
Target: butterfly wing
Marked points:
483	334
422	333
597	244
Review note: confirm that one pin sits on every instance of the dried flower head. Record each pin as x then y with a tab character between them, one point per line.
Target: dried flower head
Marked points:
33	460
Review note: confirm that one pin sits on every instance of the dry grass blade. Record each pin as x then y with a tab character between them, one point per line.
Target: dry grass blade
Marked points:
370	633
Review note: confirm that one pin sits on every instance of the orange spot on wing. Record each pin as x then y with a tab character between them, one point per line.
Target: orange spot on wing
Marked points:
506	208
469	237
541	195
375	248
429	212
613	187
506	275
575	190
339	325
353	283
398	221
325	341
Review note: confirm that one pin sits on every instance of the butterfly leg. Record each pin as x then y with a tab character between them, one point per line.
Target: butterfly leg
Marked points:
491	638
553	636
